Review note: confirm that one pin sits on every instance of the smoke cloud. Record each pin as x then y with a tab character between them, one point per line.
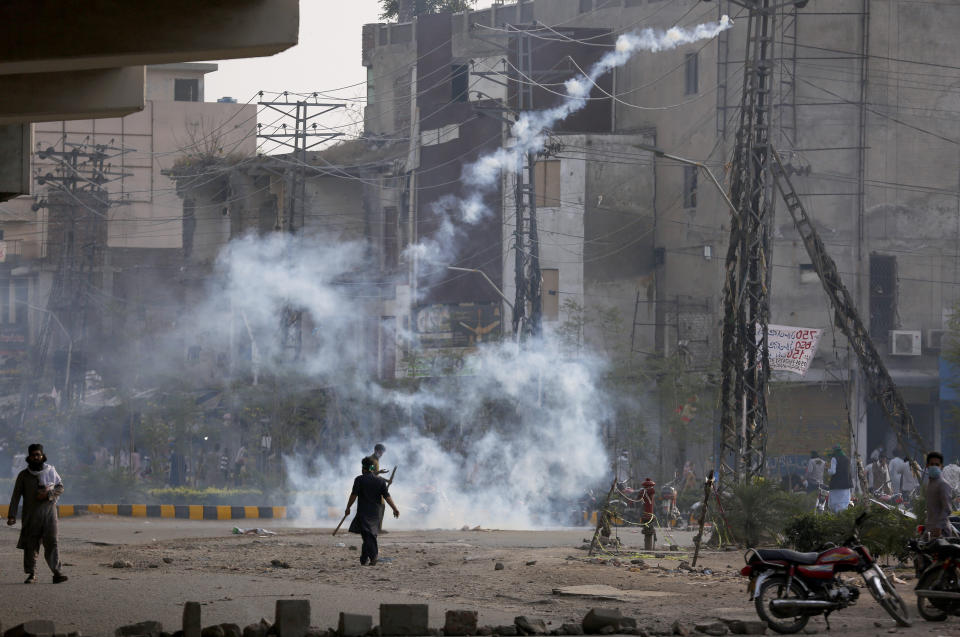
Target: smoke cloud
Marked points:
511	441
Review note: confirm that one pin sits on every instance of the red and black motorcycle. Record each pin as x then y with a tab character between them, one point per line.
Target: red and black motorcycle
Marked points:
788	587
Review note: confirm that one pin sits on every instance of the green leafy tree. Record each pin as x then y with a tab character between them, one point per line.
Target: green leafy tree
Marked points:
390	9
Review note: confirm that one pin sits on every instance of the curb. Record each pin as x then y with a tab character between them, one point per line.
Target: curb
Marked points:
179	511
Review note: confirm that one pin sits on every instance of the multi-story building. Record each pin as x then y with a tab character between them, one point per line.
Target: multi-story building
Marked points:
100	244
863	111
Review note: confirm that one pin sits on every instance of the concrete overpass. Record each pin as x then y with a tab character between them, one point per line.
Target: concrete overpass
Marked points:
85	59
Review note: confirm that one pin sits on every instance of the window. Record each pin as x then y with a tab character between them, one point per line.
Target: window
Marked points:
370	86
689	186
692	74
391	236
186	90
21	297
459	83
550	294
808	273
586	5
546	180
883	295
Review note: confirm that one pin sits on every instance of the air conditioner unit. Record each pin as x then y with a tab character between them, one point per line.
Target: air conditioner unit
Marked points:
905	343
937	339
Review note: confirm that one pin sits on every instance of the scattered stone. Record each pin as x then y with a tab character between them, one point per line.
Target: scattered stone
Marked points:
674	547
531	562
143	629
498	566
506	631
168	560
712	628
638	561
279	564
122	564
527	626
460	622
256	630
747	627
679	629
433	563
33	628
231	630
571	629
659	555
292	617
486	631
353	547
684	566
599	618
212	631
351	625
404	619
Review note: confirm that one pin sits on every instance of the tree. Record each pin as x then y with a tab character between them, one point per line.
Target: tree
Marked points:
390	9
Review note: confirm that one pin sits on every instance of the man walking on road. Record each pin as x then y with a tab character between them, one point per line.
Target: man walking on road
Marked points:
40	487
368	489
841	483
939	496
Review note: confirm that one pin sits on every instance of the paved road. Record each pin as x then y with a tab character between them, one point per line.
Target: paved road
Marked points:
233	578
98	598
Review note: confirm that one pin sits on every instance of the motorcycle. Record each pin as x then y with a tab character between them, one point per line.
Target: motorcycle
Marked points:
938	585
823	495
789	587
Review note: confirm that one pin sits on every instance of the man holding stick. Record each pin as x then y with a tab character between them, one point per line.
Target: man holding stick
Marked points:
368	489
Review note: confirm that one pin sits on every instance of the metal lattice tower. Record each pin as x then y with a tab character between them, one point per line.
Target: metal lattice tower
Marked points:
745	365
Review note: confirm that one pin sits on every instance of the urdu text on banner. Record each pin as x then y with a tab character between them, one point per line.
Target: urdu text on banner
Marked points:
791	349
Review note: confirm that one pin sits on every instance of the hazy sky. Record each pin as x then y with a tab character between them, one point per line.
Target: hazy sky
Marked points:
327	58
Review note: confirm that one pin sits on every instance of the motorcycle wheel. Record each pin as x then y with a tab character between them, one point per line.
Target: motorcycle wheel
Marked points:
892	602
934	610
776	588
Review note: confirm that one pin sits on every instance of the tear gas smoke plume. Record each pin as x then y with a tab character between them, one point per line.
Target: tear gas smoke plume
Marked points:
512	441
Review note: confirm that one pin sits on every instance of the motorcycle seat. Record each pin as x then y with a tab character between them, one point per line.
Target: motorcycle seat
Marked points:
947	548
785	555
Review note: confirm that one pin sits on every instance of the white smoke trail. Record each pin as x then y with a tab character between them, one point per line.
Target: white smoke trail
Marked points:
528	130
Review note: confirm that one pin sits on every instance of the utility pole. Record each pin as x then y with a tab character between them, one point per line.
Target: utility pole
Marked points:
291	218
78	202
745	362
526	237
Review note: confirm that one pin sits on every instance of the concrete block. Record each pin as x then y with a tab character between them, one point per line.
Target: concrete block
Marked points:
292	617
191	619
351	625
404	619
212	631
712	628
141	629
460	622
231	630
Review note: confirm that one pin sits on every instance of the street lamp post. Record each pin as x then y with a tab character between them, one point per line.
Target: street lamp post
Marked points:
659	152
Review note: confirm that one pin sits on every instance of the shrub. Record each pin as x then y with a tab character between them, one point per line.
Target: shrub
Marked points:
758	510
884	532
